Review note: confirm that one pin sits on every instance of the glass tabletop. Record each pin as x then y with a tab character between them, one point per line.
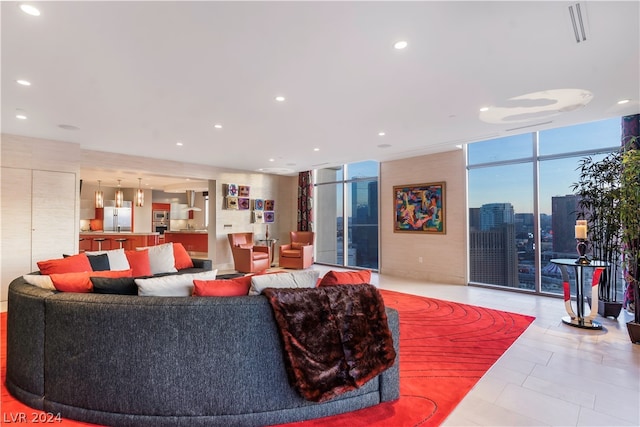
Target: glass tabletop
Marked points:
573	262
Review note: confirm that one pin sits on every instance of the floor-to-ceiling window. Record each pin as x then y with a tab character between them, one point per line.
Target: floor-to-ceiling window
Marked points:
521	207
346	220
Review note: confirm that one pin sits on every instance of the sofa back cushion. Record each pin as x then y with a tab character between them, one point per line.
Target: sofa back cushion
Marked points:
40	280
114	285
175	285
294	279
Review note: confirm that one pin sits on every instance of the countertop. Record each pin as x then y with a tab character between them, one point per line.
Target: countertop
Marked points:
187	232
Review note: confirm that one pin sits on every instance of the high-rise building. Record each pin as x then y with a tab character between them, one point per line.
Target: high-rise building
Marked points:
493	256
493	252
495	214
364	223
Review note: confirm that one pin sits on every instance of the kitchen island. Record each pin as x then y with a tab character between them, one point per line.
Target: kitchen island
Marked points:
192	240
133	240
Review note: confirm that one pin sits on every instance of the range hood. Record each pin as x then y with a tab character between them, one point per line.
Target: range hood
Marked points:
191	200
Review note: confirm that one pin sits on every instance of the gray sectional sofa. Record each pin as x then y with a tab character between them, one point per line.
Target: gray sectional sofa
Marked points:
161	361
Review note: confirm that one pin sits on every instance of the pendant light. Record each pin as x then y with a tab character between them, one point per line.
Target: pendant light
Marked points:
99	197
119	196
139	195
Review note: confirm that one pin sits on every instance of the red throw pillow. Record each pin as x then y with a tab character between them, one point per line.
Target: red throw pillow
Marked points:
222	288
70	264
182	257
80	281
139	262
346	278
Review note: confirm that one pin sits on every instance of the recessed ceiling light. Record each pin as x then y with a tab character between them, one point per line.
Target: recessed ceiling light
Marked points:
316	149
30	10
401	44
23	82
280	98
483	109
623	101
217	126
381	133
179	144
21	116
459	146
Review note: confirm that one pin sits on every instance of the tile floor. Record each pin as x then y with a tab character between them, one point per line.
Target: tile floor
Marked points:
554	374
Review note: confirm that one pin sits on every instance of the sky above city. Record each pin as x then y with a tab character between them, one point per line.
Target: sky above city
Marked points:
513	183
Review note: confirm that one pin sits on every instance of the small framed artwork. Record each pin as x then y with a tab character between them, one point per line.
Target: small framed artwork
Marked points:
258	204
419	208
243	191
269	217
243	203
269	205
232	202
258	217
232	190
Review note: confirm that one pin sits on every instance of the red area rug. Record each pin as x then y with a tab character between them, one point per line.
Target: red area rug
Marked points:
445	348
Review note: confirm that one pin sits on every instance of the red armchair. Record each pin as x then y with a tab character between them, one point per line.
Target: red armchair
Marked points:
247	257
299	253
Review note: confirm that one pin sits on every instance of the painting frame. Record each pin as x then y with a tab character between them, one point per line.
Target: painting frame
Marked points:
420	208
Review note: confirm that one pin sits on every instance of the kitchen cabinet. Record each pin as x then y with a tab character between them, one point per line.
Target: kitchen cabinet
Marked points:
197	241
179	211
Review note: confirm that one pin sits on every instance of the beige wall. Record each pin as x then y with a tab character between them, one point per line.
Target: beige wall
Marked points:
444	257
282	189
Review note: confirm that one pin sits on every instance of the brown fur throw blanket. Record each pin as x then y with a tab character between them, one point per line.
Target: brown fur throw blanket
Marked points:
336	338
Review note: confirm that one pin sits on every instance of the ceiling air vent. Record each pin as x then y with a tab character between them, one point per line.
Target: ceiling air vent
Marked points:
578	22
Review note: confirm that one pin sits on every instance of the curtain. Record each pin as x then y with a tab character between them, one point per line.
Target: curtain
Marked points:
305	201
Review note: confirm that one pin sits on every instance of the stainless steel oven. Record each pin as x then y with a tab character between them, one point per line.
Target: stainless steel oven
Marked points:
160	216
160	228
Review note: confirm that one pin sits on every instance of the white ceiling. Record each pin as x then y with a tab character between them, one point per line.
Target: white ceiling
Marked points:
136	77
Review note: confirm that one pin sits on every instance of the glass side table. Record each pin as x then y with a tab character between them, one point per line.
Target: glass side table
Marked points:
270	243
577	318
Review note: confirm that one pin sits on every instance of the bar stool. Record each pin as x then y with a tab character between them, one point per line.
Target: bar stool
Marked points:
99	240
120	241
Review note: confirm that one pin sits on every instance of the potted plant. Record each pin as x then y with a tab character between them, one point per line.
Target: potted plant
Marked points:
629	208
598	188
